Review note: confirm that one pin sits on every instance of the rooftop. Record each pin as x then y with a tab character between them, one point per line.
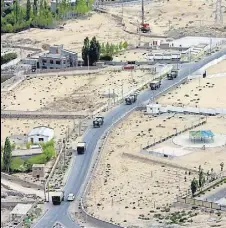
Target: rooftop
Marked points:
42	130
201	133
53	56
26	152
38	165
21	209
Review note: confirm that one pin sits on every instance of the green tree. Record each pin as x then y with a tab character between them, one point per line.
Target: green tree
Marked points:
94	51
35	7
201	177
125	45
107	48
194	186
28	10
16	10
7	155
120	46
116	48
102	49
85	51
82	7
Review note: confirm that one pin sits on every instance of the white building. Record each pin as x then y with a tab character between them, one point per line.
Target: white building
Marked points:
40	134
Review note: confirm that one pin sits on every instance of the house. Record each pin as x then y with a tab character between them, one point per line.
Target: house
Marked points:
40	134
19	211
38	170
58	58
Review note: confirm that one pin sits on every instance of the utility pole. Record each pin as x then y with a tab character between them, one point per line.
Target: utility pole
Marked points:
122	10
142	11
88	60
218	13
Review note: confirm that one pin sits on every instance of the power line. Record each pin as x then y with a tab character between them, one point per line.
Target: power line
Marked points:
219	13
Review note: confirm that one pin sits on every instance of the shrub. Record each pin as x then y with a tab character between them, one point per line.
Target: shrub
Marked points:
106	57
17	164
8	57
38	159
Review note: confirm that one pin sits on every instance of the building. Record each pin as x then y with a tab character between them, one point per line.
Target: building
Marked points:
58	58
40	134
8	3
19	211
38	170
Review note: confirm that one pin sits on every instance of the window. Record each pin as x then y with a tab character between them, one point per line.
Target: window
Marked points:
51	61
58	62
44	61
64	61
40	139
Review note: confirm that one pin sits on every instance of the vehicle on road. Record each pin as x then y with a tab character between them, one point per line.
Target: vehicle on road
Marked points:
155	84
98	121
70	197
81	147
145	28
131	99
173	74
57	198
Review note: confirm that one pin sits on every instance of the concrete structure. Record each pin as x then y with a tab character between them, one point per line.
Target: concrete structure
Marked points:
158	108
19	210
8	3
58	58
40	134
26	153
38	170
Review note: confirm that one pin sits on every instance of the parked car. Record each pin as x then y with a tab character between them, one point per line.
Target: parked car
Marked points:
70	197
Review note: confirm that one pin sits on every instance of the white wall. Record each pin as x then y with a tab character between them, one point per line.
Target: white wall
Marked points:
36	138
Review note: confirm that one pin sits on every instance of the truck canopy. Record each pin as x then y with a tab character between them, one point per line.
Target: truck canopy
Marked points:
81	144
154	82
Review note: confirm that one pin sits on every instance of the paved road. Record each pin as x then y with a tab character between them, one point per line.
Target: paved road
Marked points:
81	163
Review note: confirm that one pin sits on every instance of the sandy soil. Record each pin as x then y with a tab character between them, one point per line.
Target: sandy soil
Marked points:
180	13
121	181
71	93
217	68
23	126
198	93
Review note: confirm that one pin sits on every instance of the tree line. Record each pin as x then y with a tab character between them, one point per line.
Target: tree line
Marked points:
16	17
8	57
93	51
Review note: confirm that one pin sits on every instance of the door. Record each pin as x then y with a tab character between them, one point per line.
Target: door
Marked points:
32	140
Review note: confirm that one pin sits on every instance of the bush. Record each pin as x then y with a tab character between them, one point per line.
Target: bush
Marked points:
106	57
37	159
17	164
8	57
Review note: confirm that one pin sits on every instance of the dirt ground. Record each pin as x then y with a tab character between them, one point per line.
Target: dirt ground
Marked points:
203	92
125	187
217	68
21	126
165	15
84	93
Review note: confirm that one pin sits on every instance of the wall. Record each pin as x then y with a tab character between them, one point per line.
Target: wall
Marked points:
36	138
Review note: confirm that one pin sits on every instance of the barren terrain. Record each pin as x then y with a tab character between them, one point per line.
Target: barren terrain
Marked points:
217	68
203	92
126	186
84	93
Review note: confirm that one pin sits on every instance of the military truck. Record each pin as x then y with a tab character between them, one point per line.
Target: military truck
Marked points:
57	198
81	147
155	84
98	121
174	73
131	99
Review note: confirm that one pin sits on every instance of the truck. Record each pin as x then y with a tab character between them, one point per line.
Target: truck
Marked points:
155	84
57	198
173	74
98	121
131	99
145	28
81	147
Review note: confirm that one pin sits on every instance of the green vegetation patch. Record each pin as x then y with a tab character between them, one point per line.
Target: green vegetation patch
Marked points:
8	57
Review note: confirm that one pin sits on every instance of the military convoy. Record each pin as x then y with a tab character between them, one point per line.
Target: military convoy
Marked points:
131	99
79	146
98	121
173	74
155	84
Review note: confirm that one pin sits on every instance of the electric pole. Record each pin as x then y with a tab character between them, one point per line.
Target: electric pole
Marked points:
142	11
218	13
